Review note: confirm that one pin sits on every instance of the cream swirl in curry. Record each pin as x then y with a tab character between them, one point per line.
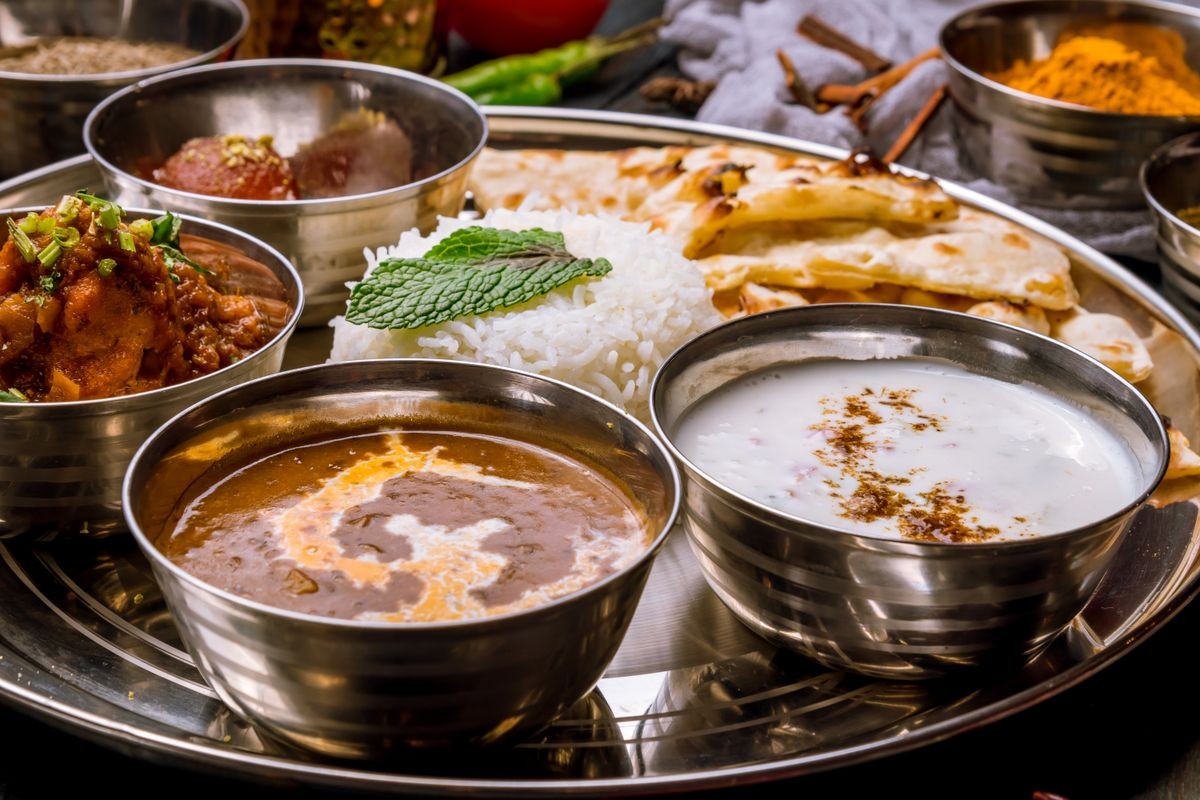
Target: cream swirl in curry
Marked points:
412	526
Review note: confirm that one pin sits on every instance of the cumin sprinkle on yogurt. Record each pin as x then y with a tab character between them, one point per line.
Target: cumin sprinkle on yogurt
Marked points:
856	426
909	449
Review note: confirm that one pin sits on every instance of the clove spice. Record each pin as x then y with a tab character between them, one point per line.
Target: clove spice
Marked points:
680	93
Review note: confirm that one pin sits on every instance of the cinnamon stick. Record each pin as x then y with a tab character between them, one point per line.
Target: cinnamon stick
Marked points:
840	94
814	29
910	132
796	85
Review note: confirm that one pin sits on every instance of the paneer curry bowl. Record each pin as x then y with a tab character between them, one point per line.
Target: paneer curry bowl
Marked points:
401	552
111	321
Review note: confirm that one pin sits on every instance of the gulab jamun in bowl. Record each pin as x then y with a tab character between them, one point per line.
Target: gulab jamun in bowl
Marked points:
318	158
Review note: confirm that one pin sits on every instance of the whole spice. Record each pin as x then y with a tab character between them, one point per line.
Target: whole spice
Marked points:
814	29
796	85
906	137
681	93
1122	68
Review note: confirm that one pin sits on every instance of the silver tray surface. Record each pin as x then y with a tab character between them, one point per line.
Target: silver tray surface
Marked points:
692	700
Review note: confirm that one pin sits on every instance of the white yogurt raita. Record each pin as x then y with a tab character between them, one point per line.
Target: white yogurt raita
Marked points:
909	448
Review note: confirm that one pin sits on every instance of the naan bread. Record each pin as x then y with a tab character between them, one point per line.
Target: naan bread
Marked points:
975	264
921	297
1184	461
770	229
1029	317
696	193
755	299
722	188
584	180
1107	338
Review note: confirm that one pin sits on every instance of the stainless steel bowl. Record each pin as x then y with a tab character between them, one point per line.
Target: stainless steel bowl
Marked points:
295	100
894	608
61	464
1050	153
1170	182
358	689
42	116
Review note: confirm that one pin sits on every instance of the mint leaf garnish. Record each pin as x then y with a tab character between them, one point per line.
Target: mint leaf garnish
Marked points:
472	271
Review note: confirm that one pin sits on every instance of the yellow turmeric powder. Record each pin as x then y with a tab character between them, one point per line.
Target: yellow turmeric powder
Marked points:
1120	67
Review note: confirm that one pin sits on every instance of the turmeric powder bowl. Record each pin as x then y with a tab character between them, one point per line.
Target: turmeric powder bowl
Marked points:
1061	101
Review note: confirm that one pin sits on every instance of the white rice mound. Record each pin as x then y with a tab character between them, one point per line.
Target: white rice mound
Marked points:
605	335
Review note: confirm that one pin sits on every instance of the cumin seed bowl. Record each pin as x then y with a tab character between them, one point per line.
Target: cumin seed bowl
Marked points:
62	463
1051	153
898	608
295	101
362	688
42	116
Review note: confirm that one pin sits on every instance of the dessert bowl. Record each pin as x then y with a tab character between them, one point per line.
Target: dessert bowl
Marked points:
294	101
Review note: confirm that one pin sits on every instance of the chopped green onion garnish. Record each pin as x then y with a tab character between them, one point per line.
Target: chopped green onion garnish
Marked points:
67	237
50	253
105	267
35	224
109	217
107	213
13	396
143	228
50	282
174	278
125	239
22	240
68	209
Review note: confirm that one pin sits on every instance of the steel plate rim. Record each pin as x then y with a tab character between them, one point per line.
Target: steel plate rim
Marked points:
110	733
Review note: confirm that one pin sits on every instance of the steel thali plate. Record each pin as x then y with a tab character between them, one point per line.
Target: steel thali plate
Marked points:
692	700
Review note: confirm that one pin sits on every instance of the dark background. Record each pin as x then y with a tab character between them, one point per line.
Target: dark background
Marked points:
1127	733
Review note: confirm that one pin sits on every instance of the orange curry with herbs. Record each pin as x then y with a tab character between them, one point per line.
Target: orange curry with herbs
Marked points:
91	307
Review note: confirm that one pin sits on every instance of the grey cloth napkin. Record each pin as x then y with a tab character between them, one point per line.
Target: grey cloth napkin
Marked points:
734	42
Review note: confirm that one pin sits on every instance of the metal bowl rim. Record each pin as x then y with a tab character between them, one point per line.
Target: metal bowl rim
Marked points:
1157	158
673	483
1017	94
783	520
145	72
334	204
116	404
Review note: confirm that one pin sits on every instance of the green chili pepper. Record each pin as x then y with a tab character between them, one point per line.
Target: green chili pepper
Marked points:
538	78
511	70
534	90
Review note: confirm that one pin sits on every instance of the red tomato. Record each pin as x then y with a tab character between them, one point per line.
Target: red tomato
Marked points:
504	27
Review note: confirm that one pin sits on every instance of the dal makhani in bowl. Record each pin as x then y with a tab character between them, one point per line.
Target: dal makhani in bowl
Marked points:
902	491
102	340
401	552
